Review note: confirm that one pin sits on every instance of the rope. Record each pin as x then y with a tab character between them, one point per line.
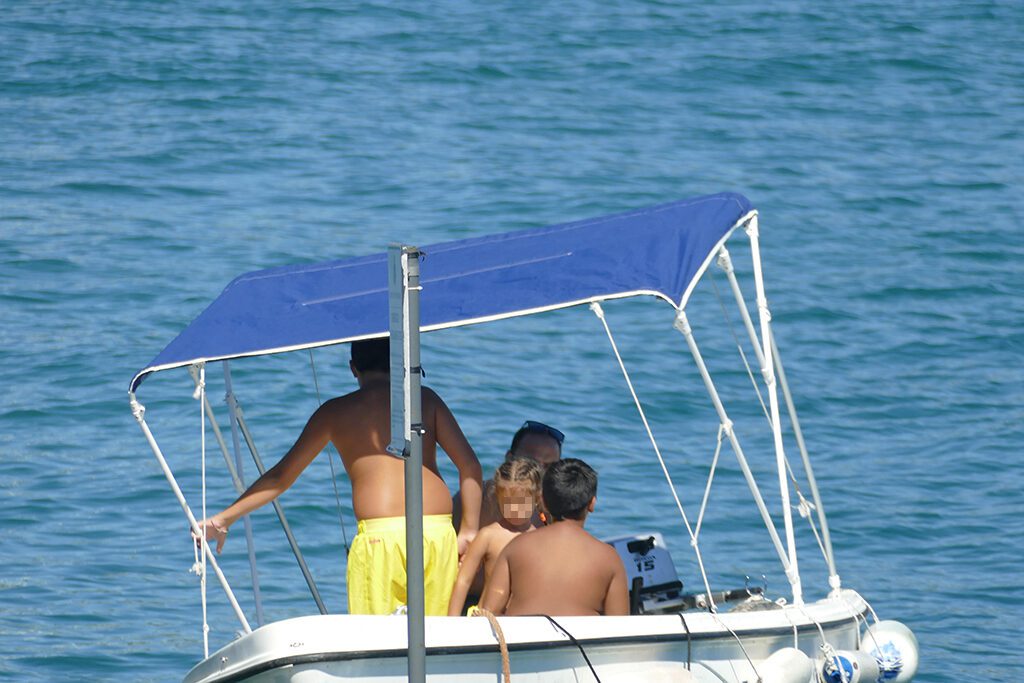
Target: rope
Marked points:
739	347
599	312
740	643
827	650
506	668
796	632
688	643
334	478
201	391
576	643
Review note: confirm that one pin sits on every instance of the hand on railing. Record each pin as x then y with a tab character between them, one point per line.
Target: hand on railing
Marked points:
215	531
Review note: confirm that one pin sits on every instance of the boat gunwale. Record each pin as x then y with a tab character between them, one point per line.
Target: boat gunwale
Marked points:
257	668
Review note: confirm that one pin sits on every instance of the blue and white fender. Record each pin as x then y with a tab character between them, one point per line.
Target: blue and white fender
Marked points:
894	647
850	666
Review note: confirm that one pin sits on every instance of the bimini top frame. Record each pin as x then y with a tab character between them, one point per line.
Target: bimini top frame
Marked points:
660	251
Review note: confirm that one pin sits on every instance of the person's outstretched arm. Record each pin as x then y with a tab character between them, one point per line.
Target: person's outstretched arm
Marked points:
274	481
467	572
454	443
497	589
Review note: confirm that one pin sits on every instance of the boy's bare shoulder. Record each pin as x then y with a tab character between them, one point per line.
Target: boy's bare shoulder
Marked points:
609	554
520	543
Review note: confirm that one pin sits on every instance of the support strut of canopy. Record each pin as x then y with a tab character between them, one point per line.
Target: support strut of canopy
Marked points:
139	411
236	410
236	479
773	401
599	312
725	263
683	325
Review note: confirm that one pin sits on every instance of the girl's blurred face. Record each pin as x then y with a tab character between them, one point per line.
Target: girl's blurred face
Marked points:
516	503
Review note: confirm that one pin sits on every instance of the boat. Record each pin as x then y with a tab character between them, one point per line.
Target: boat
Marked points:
733	635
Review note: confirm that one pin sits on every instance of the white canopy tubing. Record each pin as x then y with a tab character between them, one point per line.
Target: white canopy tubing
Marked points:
683	325
765	317
804	507
239	484
236	410
139	411
334	477
825	543
599	312
711	478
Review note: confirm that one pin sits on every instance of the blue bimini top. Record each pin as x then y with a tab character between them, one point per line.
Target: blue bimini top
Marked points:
661	251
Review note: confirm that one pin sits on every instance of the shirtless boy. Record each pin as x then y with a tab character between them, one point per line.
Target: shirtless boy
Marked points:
560	569
359	425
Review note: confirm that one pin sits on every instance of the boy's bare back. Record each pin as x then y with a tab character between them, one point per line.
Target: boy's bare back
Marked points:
559	570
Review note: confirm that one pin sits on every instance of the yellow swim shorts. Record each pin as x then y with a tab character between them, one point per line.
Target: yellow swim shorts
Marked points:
376	565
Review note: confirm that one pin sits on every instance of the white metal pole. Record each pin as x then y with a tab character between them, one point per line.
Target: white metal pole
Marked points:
139	411
683	325
236	410
773	399
833	579
725	263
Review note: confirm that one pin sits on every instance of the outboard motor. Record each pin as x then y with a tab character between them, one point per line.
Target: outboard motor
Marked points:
894	647
654	584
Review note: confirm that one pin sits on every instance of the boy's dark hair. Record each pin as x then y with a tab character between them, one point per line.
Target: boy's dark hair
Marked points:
569	486
369	355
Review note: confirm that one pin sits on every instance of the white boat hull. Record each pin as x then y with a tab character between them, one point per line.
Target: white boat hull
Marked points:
726	647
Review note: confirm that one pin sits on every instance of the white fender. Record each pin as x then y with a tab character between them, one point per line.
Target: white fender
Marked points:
787	665
850	666
895	648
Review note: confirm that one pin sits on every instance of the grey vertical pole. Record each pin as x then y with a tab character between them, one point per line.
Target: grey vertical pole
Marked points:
250	542
405	259
414	482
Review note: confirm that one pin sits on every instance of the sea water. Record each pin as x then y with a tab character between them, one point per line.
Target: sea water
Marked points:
150	152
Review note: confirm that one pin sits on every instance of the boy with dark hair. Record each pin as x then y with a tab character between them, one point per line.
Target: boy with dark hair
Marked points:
569	489
560	569
359	425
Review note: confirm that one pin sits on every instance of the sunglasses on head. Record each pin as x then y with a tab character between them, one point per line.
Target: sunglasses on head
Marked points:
541	428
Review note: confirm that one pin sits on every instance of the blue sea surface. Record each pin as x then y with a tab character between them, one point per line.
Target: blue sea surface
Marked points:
150	152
